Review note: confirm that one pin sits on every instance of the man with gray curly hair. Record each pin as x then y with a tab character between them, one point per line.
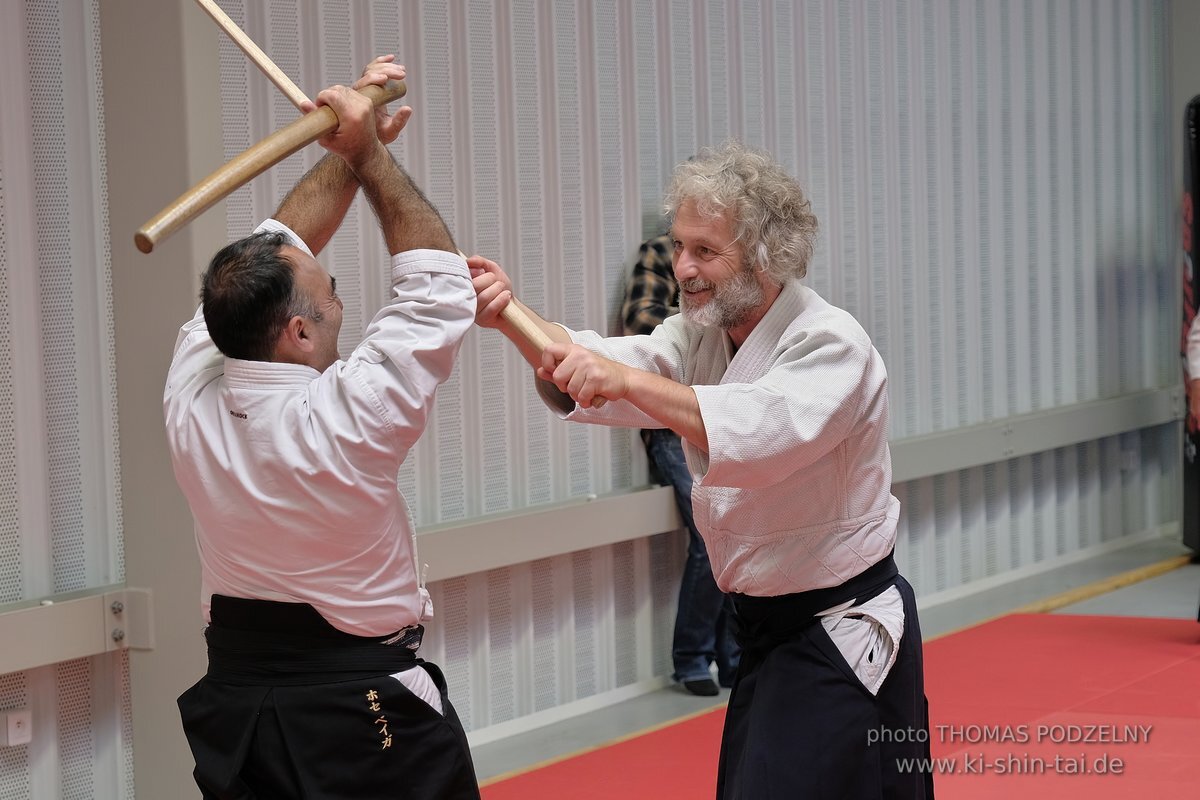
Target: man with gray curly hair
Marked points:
781	402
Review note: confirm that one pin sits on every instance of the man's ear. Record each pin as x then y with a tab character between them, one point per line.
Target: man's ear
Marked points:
295	341
298	330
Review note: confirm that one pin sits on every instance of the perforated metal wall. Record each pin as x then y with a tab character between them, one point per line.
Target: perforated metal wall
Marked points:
990	179
979	523
76	747
11	567
15	780
55	277
60	498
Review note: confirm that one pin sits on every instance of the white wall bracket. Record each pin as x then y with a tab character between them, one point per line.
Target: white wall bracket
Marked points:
74	625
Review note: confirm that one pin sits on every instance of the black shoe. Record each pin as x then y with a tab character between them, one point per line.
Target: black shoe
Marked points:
704	687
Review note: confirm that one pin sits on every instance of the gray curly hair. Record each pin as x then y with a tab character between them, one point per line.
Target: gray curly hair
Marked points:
773	220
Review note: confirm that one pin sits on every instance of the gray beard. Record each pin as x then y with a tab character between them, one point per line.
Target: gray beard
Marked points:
730	305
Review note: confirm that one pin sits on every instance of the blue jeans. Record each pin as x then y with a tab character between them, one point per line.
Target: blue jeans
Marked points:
703	622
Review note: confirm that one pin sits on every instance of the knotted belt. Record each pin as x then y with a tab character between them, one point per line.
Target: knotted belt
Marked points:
765	622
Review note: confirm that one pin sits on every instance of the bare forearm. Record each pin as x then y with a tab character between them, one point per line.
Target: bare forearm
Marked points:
408	220
317	204
671	403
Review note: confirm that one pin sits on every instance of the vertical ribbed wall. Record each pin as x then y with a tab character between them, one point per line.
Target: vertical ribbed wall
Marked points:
990	176
60	498
990	179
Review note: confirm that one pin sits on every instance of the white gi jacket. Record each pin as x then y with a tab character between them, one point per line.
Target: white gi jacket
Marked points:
291	473
1192	350
795	491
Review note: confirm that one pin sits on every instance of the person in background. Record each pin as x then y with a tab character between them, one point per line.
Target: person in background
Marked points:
703	633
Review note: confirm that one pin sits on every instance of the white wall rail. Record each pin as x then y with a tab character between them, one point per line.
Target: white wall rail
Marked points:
502	540
63	627
74	625
915	457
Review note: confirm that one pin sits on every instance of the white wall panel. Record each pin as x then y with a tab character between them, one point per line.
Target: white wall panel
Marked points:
683	69
10	533
989	177
586	622
625	659
15	778
452	612
76	747
60	497
362	283
81	731
26	500
483	232
990	210
546	641
504	639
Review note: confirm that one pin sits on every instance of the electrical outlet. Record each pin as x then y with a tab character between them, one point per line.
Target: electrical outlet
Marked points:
17	728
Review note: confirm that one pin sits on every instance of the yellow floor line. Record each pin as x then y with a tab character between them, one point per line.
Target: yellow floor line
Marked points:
1045	605
1081	593
659	726
1103	586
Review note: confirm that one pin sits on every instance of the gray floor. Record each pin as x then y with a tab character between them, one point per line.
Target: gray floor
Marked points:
1175	594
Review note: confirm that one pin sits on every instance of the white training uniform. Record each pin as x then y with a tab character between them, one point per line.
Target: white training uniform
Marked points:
291	473
795	491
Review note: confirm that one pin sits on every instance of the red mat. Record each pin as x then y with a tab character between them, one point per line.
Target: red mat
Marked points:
1078	707
1033	706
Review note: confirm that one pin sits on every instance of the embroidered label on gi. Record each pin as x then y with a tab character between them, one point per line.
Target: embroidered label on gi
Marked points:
385	738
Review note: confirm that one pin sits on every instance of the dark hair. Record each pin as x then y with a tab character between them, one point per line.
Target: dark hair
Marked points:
249	294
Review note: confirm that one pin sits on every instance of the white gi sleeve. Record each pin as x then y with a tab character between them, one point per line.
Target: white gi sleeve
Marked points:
378	400
656	352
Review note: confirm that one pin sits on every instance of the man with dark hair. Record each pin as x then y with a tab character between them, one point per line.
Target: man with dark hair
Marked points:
250	294
781	402
288	456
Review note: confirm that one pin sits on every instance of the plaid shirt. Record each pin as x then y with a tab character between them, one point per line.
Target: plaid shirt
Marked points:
652	294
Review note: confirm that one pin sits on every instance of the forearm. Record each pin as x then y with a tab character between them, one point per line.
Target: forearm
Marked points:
530	351
317	204
671	403
408	220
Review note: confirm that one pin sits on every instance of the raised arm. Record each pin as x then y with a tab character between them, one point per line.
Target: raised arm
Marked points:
408	220
317	204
